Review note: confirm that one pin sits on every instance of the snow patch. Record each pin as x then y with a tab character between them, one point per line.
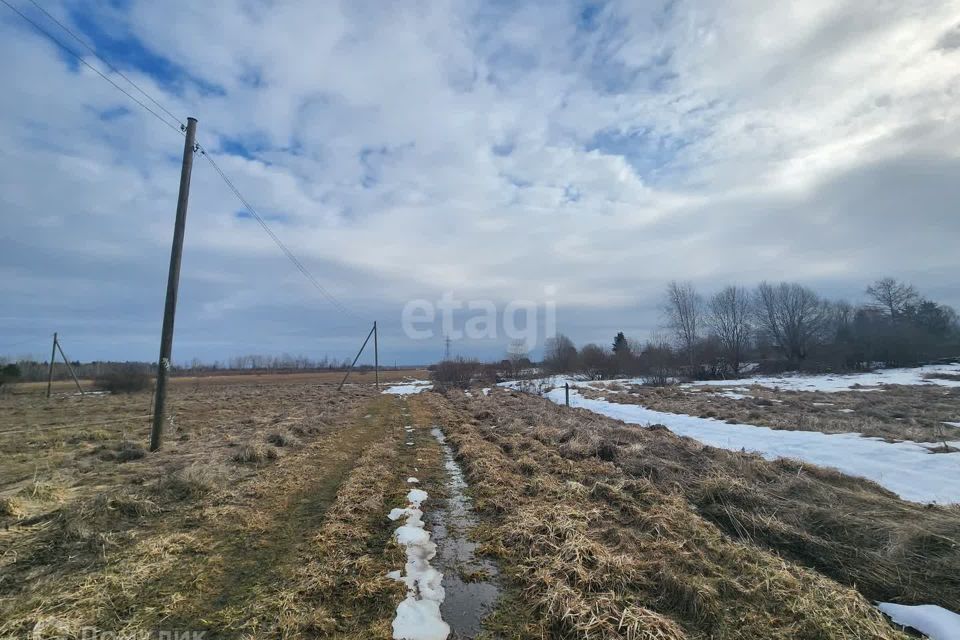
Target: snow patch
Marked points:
952	424
734	394
906	468
418	615
416	497
935	622
416	386
831	383
413	480
485	391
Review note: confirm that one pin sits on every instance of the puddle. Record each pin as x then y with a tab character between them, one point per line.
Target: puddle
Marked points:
466	604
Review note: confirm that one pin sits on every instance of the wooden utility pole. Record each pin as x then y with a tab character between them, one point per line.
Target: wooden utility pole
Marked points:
376	356
173	282
53	354
350	368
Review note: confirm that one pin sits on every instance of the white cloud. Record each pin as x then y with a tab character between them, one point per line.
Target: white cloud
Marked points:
490	150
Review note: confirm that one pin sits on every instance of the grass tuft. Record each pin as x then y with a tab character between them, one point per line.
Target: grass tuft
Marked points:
12	507
254	454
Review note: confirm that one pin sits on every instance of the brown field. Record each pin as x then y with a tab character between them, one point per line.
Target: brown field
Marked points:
359	377
264	516
896	413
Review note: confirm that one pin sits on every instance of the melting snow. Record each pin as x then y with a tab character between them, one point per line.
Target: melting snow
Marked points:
935	622
486	391
418	615
415	386
416	496
827	383
837	382
906	468
413	480
733	394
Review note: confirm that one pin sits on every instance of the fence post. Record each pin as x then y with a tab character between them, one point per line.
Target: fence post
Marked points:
566	392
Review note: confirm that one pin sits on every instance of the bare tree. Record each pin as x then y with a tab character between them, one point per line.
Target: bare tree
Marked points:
518	354
596	362
559	354
730	318
892	296
791	315
684	308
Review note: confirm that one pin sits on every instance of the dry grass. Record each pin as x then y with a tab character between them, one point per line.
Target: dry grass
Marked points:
896	413
254	454
190	483
180	539
943	376
12	507
605	553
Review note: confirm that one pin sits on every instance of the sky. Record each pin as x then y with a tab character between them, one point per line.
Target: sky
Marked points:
575	156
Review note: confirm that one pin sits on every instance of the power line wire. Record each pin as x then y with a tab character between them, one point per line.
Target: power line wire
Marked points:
80	58
107	62
293	258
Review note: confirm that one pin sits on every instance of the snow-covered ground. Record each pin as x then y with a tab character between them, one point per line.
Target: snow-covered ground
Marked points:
414	386
827	383
906	468
844	382
934	622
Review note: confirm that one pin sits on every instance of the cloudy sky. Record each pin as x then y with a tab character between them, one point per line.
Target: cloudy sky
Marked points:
576	154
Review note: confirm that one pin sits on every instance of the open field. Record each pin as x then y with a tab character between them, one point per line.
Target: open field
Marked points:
265	515
358	377
918	413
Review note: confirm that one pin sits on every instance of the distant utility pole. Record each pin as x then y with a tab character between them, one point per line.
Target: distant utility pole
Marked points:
373	332
376	356
446	348
53	356
173	282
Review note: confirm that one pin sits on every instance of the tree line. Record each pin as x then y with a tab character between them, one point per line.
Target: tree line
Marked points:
782	326
29	370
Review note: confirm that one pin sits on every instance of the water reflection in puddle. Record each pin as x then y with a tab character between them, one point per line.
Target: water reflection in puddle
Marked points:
466	602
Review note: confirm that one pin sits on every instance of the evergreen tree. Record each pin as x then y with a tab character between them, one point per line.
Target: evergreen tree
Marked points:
620	345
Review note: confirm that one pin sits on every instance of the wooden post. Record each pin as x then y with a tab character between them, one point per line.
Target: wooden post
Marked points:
566	392
53	355
69	368
173	282
350	368
376	356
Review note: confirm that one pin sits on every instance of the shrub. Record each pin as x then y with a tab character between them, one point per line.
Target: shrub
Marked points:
282	439
124	381
9	373
254	453
456	374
